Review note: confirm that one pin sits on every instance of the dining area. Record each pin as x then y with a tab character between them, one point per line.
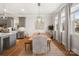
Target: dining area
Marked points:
38	43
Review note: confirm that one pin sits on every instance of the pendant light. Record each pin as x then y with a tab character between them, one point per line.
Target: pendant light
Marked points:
39	18
4	12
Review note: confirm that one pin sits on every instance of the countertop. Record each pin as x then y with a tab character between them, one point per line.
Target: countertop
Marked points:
7	34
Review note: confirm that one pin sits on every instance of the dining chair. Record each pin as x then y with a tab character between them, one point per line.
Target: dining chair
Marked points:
39	44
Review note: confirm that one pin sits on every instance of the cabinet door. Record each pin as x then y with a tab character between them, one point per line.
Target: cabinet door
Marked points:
21	21
10	22
6	43
12	39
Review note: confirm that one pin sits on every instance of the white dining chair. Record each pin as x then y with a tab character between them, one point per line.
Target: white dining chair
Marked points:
39	44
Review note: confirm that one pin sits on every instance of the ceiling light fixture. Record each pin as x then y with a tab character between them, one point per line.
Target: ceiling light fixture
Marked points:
4	12
38	4
39	18
22	9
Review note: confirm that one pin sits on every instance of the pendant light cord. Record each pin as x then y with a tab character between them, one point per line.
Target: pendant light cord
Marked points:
4	10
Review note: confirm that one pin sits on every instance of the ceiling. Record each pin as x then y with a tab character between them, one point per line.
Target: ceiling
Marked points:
28	8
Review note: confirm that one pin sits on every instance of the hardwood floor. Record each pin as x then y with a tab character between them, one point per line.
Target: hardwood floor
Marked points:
19	50
62	48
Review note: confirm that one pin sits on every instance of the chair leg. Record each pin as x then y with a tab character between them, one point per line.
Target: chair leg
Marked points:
30	46
48	44
25	47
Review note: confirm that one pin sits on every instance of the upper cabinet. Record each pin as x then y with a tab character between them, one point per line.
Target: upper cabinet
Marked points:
22	21
3	22
8	22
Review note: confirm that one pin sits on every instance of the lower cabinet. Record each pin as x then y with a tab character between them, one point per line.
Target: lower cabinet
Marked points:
12	39
6	43
20	35
9	41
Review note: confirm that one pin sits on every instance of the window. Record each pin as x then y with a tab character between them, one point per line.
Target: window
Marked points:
62	19
56	22
75	17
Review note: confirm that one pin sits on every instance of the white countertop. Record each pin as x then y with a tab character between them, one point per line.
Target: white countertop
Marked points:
3	34
7	34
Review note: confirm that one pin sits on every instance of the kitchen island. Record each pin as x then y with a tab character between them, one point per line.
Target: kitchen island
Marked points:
7	40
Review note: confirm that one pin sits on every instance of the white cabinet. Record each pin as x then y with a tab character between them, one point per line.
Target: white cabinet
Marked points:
7	40
12	39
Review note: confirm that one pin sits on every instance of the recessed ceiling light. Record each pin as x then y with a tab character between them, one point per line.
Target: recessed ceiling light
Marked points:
5	10
22	9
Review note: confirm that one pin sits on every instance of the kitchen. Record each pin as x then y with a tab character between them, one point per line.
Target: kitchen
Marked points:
9	33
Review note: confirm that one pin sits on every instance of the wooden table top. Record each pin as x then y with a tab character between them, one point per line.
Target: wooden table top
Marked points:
39	34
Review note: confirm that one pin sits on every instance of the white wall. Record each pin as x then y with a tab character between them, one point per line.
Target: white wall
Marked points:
75	42
30	23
